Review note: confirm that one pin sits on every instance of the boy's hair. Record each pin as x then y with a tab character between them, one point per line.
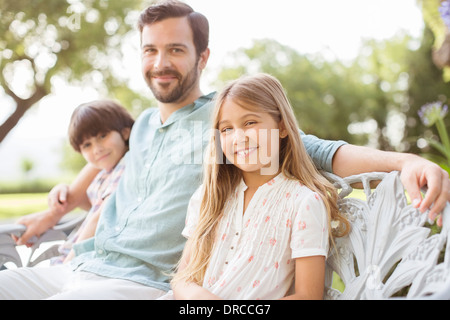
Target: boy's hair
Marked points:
176	9
264	93
96	117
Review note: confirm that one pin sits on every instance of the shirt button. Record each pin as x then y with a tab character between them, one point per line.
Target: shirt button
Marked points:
161	130
237	233
100	251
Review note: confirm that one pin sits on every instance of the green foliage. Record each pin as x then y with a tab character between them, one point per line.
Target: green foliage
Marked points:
78	41
13	206
30	186
425	84
72	161
329	96
27	165
372	100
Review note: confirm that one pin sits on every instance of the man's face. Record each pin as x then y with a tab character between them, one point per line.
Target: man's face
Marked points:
170	64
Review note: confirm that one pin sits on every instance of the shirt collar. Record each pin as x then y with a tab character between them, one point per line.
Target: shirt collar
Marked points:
180	113
269	184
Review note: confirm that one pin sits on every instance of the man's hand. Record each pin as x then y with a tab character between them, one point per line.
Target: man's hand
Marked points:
416	173
420	172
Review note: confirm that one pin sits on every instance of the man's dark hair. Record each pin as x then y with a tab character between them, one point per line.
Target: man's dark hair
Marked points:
176	9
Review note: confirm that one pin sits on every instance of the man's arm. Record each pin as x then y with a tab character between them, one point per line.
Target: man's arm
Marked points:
60	203
416	172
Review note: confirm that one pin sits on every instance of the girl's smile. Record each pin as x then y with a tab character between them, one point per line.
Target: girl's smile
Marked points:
246	152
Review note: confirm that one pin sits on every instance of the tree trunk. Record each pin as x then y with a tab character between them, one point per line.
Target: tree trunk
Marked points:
22	105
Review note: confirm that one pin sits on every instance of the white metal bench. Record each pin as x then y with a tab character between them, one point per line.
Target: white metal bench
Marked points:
389	250
8	249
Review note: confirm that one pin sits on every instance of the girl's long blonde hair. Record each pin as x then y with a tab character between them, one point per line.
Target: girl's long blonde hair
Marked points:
265	93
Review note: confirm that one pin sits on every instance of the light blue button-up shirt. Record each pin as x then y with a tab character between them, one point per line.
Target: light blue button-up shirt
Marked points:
138	237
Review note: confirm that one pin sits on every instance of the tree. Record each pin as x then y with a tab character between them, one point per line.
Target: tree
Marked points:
77	41
426	84
328	96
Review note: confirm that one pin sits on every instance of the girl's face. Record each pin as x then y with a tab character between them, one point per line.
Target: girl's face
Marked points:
105	150
250	138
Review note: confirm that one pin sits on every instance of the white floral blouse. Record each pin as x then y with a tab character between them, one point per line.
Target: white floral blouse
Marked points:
254	251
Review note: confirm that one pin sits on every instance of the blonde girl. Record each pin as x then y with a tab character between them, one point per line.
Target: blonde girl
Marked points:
259	226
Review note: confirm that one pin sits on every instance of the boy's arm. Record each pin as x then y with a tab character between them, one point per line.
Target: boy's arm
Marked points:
60	204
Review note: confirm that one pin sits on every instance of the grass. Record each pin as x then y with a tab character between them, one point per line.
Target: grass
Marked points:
13	206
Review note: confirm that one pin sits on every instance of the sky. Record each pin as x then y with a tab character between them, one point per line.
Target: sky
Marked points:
334	29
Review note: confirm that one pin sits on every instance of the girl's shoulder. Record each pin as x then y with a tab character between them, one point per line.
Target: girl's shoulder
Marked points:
298	194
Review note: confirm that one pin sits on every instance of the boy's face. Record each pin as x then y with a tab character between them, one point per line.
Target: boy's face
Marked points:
105	150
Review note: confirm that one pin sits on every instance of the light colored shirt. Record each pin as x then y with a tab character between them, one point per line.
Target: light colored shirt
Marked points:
104	183
139	232
254	251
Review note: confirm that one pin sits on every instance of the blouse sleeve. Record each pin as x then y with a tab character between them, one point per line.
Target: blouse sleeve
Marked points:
193	212
310	228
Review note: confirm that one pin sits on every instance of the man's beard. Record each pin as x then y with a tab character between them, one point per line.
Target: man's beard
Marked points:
181	90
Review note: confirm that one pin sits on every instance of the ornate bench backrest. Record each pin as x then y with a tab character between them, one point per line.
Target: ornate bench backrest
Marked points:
388	249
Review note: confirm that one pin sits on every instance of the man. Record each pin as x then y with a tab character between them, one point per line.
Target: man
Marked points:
138	240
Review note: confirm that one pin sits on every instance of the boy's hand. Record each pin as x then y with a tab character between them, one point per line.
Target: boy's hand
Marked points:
57	198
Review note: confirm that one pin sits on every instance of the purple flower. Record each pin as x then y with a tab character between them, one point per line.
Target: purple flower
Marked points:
444	10
432	112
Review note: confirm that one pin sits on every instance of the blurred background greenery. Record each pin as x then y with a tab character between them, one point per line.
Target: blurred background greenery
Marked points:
372	100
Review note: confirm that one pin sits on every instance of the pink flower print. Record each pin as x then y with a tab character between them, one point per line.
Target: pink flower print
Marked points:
223	283
316	196
302	225
271	182
307	207
288	223
288	261
224	236
247	223
264	202
272	241
250	259
288	195
239	289
267	219
256	283
276	265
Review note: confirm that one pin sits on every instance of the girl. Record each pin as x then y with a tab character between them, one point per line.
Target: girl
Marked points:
261	218
99	130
